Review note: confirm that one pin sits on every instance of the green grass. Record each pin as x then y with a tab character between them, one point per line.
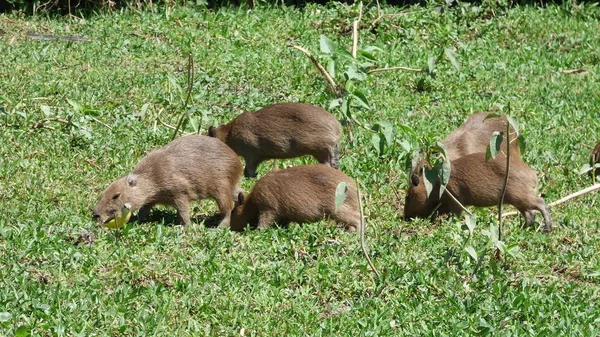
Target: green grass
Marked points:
158	279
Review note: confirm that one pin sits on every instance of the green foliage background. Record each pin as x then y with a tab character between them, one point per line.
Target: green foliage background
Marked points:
120	89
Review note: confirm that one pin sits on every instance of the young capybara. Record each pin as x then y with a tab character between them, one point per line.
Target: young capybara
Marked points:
473	181
474	136
298	194
280	131
187	169
595	159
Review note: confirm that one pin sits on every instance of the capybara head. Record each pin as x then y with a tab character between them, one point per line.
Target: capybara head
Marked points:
416	203
595	159
121	193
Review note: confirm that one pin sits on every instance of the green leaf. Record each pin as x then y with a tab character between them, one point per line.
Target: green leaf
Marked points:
513	250
46	110
361	99
346	107
353	73
586	168
522	144
5	316
471	222
76	106
495	146
431	64
335	103
441	148
331	67
471	252
430	176
514	123
387	129
452	57
22	331
378	142
327	46
444	176
340	194
405	145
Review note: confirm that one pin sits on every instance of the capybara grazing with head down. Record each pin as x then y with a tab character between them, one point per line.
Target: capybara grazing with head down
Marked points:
187	169
473	181
474	136
279	131
298	194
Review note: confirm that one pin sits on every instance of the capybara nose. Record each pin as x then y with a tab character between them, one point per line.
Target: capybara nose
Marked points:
95	216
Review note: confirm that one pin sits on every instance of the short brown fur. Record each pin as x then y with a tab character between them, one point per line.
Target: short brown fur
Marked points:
187	169
279	131
298	194
473	181
474	135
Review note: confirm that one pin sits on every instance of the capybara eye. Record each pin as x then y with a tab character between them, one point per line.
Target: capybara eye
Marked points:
116	196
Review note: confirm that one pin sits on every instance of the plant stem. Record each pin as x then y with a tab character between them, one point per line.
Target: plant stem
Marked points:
190	78
362	231
505	181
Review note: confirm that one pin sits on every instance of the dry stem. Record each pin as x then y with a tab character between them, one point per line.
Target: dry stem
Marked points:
362	231
324	72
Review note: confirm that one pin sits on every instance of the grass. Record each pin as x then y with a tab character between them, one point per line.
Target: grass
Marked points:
62	275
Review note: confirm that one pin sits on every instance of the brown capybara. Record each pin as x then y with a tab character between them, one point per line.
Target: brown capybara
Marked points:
473	181
298	194
279	131
187	169
595	159
474	136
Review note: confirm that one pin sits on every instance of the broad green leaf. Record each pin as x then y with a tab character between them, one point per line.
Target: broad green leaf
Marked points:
444	176
378	142
495	145
46	110
441	148
471	222
431	64
513	250
5	316
586	168
522	144
405	145
340	194
144	109
354	73
452	57
514	123
346	107
22	331
471	252
331	67
361	99
327	46
335	103
76	106
430	178
194	123
387	129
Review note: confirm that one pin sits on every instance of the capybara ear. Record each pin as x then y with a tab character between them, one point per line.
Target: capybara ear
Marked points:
131	180
212	131
241	198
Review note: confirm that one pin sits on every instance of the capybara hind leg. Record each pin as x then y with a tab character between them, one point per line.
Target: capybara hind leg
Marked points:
265	219
529	217
350	220
225	204
183	211
546	213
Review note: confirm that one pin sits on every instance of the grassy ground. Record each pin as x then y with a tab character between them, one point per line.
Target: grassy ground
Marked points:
61	275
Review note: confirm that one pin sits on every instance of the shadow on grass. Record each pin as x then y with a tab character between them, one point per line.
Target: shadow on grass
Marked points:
169	218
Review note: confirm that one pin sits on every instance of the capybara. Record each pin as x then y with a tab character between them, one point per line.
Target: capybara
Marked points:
473	181
595	159
189	168
279	131
474	136
298	194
